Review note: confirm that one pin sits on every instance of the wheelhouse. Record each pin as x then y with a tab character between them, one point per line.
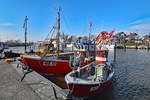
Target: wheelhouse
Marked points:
101	56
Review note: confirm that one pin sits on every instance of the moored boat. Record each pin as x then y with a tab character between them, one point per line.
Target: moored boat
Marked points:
92	78
58	63
51	65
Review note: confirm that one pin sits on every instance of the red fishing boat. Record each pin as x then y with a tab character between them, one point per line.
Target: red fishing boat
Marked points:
59	63
92	78
52	65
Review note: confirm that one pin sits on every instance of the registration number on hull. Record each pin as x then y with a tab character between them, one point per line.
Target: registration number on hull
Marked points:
46	63
94	88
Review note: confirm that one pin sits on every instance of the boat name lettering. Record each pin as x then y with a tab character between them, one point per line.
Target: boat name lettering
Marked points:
94	88
46	63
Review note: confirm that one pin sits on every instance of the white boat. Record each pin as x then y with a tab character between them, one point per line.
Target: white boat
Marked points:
110	47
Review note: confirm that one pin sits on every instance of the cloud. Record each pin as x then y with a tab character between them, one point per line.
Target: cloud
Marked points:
141	21
144	27
6	24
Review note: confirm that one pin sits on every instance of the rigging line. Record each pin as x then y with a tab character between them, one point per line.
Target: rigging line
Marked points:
50	41
93	33
65	21
85	31
50	31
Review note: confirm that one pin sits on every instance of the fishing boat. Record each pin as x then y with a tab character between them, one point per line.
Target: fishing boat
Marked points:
92	78
51	65
84	52
56	63
36	48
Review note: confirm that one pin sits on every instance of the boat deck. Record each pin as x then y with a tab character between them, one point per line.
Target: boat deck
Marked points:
86	75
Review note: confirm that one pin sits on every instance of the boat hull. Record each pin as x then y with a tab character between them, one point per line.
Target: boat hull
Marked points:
49	67
87	90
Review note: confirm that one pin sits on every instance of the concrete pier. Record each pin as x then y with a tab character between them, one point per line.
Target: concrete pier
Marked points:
33	87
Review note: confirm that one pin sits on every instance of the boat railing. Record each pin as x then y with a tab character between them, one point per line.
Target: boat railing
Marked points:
71	61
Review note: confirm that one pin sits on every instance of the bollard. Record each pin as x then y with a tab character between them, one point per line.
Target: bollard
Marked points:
124	45
55	94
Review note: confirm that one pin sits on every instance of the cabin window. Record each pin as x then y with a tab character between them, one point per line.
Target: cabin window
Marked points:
85	47
104	54
101	54
97	53
81	46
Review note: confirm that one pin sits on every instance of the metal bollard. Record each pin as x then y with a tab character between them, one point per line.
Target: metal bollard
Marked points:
55	94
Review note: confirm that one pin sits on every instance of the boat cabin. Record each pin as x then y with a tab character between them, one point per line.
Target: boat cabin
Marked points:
81	46
101	56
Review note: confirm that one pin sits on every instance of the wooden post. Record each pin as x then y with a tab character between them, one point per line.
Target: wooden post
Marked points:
115	52
136	46
124	44
148	46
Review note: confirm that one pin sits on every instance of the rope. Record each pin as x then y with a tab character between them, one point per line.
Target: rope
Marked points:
50	42
65	22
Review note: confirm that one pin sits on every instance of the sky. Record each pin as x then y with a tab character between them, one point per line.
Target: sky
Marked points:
118	15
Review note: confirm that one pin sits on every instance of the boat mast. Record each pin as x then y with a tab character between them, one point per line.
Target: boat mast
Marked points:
90	24
25	28
89	42
58	33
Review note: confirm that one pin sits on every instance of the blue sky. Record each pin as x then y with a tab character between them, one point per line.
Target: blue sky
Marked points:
121	15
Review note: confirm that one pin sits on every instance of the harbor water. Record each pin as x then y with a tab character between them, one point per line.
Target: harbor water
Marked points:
132	76
21	49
